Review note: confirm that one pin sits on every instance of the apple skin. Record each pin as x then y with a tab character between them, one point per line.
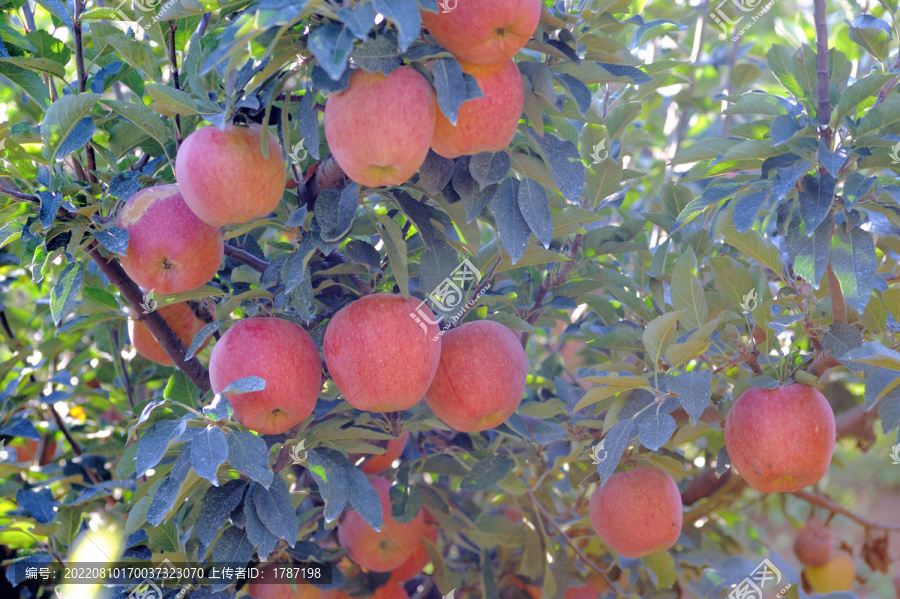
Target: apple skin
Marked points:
780	440
380	359
485	124
379	129
380	551
224	176
389	591
837	575
588	591
481	377
813	544
183	322
417	560
377	464
637	512
170	250
266	587
485	31
280	352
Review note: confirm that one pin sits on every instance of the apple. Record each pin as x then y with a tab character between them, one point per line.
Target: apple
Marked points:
224	176
285	356
391	590
897	584
836	575
380	551
481	376
485	124
417	560
485	31
780	440
813	545
588	591
379	357
183	322
27	452
379	129
170	250
377	464
637	512
273	584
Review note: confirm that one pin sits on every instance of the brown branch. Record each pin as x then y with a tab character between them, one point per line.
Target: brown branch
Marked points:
173	59
822	362
246	257
364	287
155	323
550	281
836	508
822	80
549	518
82	82
327	175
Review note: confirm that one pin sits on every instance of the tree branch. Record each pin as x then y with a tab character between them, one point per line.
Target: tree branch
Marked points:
82	82
155	323
247	258
836	508
822	59
173	59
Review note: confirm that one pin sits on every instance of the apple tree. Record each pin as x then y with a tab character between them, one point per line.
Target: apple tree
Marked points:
449	298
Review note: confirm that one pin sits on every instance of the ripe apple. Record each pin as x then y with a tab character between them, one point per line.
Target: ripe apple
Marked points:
380	551
836	575
224	176
378	356
588	591
780	440
380	128
391	590
813	545
485	124
377	464
481	376
273	585
485	31
280	352
170	250
183	322
417	560
637	512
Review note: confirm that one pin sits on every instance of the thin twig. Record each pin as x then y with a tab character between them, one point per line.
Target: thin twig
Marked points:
82	82
822	80
246	257
128	391
836	508
549	518
204	23
173	59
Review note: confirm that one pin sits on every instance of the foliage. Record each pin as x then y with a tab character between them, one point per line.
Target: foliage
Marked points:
679	217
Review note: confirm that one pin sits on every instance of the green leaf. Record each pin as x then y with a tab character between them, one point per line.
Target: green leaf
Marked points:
66	290
658	334
62	118
854	96
486	473
753	245
143	118
662	568
248	454
535	209
176	101
779	60
209	450
43	65
687	291
396	250
872	34
854	262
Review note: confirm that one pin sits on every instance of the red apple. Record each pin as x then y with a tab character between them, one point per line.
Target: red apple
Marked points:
418	560
780	440
280	352
637	512
484	31
380	551
485	124
272	584
380	128
813	545
391	590
170	250
224	176
377	464
481	376
588	591
183	322
378	356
